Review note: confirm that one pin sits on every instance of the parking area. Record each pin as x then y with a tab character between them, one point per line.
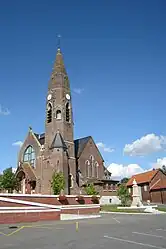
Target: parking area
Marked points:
109	231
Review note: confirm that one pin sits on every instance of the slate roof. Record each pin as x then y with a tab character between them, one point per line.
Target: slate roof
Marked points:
145	177
40	138
58	142
80	145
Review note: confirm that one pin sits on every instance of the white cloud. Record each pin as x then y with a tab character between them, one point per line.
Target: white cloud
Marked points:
102	146
4	111
120	171
78	90
145	145
17	143
159	163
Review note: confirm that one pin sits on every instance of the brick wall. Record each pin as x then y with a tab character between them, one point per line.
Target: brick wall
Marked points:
11	204
94	210
6	218
52	200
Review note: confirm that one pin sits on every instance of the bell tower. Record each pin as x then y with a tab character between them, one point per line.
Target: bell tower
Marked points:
59	142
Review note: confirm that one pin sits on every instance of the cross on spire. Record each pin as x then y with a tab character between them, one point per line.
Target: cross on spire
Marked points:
59	41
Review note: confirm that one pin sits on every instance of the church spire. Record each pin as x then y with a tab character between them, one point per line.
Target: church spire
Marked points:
59	66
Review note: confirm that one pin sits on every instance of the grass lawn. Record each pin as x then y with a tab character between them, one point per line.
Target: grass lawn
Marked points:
163	209
113	208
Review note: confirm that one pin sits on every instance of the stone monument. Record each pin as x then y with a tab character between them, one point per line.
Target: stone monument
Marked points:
136	196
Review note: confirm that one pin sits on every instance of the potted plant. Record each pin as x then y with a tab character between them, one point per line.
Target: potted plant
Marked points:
95	199
63	199
80	199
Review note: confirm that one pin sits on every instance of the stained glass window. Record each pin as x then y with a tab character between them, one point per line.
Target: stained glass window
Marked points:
29	156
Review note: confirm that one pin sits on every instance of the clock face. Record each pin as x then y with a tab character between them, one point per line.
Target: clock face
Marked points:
67	96
49	97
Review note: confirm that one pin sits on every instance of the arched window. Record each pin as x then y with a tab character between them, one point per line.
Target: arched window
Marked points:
91	167
58	114
29	156
87	164
67	112
49	113
96	169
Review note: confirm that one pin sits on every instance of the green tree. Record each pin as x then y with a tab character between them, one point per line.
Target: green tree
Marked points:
164	169
90	189
58	182
1	182
8	180
123	194
124	180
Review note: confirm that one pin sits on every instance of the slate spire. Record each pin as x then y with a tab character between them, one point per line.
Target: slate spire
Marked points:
58	142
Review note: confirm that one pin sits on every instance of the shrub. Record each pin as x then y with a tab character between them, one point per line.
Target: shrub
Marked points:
90	189
58	182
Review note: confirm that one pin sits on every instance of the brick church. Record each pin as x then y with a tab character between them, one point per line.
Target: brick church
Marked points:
56	150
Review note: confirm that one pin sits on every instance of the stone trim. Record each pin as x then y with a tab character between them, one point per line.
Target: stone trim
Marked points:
40	195
31	211
29	203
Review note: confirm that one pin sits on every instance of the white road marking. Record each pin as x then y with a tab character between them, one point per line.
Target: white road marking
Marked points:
149	234
160	229
134	242
116	220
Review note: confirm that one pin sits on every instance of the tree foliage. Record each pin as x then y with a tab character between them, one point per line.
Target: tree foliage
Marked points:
8	180
58	182
90	189
123	194
124	180
164	169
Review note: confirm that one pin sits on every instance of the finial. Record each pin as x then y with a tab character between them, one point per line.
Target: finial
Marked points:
59	42
30	128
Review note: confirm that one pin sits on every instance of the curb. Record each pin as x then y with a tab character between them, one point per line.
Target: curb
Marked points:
102	212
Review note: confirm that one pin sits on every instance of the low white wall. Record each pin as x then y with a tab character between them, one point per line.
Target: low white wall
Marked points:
108	200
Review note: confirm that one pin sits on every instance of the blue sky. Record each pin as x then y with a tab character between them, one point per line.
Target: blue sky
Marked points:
115	55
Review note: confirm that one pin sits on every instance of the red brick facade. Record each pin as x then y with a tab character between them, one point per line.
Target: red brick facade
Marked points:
153	187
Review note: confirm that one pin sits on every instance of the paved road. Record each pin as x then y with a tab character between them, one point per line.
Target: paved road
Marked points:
109	231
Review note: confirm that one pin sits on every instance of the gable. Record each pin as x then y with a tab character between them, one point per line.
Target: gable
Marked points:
30	140
158	181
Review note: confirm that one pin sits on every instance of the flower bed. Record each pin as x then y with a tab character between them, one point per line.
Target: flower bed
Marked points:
80	199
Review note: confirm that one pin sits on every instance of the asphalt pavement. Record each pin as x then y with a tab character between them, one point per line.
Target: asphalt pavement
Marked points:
110	231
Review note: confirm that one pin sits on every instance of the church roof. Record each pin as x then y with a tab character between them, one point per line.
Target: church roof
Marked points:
40	137
80	145
58	142
28	171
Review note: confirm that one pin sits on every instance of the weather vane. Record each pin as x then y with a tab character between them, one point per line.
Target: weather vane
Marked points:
59	41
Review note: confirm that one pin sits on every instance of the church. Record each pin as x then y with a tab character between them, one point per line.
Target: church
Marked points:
56	150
